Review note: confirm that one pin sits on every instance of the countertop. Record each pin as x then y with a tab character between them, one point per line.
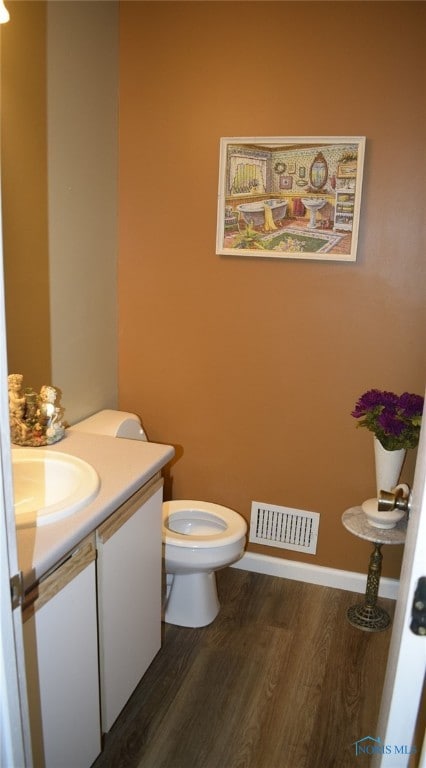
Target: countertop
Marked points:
123	466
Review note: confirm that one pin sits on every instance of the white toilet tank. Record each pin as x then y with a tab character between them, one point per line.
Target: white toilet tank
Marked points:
114	423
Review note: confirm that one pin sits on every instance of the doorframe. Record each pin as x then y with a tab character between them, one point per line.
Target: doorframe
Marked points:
406	665
15	746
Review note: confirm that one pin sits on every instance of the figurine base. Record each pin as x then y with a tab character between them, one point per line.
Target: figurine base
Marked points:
35	440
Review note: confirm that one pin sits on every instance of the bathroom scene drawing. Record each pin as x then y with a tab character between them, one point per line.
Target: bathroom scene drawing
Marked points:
290	197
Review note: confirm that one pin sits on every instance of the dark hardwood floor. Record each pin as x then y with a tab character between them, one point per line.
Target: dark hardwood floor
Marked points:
279	680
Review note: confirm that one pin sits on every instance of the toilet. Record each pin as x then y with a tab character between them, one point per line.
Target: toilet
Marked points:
199	537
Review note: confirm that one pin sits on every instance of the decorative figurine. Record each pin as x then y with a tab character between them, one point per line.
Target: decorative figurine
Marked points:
16	408
35	419
51	414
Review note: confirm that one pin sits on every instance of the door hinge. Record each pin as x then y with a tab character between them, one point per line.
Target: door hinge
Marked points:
16	590
418	611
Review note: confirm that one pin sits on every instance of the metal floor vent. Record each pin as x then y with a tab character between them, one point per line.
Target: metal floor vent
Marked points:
284	527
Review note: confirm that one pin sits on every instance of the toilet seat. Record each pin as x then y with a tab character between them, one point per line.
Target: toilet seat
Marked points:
213	525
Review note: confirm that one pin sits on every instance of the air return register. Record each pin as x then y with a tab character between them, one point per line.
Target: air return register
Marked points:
284	527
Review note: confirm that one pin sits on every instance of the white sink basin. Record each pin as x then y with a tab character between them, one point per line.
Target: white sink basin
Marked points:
313	205
49	485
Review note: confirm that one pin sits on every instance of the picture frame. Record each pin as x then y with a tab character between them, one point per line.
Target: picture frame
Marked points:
347	170
262	214
286	182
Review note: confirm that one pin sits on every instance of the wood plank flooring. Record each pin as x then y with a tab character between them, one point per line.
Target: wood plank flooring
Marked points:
279	680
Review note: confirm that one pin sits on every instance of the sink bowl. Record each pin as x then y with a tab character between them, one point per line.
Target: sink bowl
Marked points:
314	204
49	485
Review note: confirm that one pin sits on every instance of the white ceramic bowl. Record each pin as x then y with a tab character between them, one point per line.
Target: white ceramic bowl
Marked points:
378	519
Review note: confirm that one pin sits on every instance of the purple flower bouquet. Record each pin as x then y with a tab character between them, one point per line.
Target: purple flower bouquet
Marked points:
394	419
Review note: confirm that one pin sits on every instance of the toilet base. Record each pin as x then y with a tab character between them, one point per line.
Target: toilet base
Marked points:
192	600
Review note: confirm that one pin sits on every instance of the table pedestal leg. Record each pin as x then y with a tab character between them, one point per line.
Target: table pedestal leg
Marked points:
368	615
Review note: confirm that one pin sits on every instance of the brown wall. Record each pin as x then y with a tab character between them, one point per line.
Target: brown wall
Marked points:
59	158
24	191
251	367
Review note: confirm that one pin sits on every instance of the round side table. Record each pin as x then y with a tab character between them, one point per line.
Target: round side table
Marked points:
367	615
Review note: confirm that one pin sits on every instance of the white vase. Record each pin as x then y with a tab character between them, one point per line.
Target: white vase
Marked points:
388	466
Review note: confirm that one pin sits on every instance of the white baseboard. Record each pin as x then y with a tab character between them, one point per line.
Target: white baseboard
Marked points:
314	574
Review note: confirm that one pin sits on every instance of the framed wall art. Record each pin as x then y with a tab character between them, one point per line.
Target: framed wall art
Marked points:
312	215
286	182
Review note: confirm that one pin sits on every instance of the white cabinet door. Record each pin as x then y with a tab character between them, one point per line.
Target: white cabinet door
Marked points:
61	653
129	597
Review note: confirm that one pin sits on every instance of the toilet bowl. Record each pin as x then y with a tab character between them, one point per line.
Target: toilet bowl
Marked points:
199	538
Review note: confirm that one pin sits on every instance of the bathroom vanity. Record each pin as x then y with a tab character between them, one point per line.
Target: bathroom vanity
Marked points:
92	605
